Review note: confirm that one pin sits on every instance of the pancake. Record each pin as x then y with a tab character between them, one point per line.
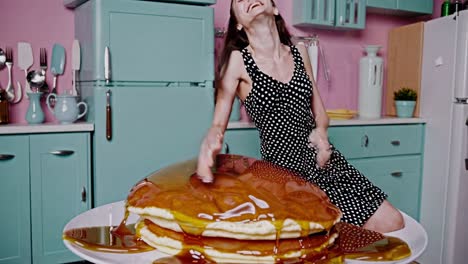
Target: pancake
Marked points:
249	200
225	250
254	212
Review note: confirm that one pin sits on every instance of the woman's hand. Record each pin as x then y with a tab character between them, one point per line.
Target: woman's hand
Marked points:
318	139
211	146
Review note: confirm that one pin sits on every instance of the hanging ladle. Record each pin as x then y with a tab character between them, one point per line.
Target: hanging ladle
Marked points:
2	59
36	79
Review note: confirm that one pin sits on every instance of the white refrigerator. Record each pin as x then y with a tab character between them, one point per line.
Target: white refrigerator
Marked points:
444	105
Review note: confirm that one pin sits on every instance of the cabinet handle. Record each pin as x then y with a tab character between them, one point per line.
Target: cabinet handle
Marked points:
365	141
226	148
395	142
83	194
62	152
397	174
6	156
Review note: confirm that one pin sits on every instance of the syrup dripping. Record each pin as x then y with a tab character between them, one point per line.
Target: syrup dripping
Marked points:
195	204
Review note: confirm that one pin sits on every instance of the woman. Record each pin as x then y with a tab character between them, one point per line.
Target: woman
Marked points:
274	79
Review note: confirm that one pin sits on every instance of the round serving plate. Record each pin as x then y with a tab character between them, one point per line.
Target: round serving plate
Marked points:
111	215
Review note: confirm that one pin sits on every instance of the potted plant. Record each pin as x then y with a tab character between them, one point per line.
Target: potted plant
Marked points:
405	101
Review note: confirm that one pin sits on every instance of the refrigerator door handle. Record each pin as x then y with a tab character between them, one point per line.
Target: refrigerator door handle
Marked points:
107	66
108	116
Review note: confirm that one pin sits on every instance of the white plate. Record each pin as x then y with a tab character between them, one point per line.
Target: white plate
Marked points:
112	214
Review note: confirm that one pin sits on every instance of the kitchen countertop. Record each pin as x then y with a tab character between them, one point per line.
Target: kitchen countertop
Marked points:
45	128
347	122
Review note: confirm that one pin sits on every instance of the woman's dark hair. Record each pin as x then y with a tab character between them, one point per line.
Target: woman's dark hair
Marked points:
237	40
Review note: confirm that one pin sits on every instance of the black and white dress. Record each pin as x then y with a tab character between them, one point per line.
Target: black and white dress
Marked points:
283	116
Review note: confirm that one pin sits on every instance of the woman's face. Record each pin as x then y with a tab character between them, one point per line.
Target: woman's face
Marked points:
247	10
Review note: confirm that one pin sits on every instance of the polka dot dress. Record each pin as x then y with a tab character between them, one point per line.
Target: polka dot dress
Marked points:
282	114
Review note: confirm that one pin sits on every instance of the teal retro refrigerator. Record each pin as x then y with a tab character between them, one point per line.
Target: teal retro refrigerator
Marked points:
152	65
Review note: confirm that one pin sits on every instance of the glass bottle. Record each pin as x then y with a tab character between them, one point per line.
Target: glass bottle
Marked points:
4	111
4	108
456	6
445	8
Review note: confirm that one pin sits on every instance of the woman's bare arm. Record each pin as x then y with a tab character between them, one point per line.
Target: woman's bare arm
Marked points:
226	93
319	136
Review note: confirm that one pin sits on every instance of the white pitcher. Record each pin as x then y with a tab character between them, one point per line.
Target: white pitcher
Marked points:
370	83
66	109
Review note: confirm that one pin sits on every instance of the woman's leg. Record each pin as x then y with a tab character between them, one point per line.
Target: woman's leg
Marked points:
386	219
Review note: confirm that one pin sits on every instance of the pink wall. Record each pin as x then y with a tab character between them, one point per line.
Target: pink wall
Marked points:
45	22
41	23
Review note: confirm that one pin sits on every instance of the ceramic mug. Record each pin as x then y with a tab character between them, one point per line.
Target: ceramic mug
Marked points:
66	109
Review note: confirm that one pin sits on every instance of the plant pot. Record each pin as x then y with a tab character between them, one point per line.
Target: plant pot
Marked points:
405	108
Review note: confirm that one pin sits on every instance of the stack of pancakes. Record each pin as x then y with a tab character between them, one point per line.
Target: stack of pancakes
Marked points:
253	212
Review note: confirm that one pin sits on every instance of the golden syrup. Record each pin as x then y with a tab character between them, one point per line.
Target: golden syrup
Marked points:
107	239
244	190
390	249
185	257
279	247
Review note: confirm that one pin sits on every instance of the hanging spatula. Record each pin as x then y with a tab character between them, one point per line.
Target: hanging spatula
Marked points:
76	63
25	61
58	63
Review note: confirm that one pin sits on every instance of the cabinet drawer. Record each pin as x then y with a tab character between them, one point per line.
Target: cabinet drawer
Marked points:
373	141
399	177
243	142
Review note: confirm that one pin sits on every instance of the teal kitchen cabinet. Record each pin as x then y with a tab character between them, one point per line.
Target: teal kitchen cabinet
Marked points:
389	155
46	184
335	14
398	176
60	181
401	7
159	87
243	141
15	225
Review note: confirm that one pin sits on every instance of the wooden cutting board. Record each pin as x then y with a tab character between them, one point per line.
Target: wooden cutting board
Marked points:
404	63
